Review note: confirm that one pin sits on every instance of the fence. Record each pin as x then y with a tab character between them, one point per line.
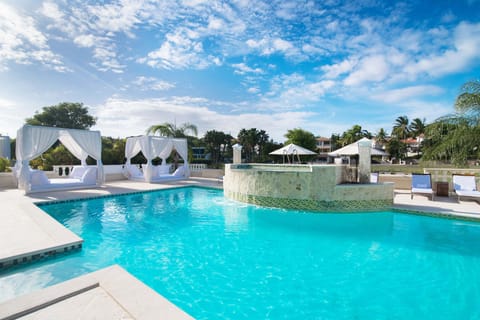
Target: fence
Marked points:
64	170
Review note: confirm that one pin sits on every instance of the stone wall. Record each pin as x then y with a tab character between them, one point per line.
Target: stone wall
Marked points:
305	187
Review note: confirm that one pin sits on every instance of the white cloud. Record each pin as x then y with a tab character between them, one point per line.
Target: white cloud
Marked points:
268	46
122	16
120	117
96	27
85	40
215	23
242	68
463	52
180	51
407	93
22	43
335	70
370	69
51	10
150	83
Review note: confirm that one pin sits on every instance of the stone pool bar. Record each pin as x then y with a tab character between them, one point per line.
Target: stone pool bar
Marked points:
321	188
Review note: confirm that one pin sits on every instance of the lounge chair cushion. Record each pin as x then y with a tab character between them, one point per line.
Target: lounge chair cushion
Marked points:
38	178
162	170
89	176
465	183
77	172
180	172
134	172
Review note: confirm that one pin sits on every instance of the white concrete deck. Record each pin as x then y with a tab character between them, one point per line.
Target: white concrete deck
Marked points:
448	207
110	293
25	229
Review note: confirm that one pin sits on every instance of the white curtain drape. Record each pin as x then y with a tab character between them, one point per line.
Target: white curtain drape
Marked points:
182	148
70	143
32	141
164	148
91	144
132	148
145	145
153	147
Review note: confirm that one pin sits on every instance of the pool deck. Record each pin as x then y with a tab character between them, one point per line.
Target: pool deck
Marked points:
27	233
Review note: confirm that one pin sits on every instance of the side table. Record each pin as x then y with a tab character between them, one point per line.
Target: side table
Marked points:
442	189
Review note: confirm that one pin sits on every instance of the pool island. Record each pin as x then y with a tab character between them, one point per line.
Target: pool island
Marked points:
320	188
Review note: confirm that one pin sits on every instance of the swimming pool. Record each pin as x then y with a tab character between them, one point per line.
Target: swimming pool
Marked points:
219	259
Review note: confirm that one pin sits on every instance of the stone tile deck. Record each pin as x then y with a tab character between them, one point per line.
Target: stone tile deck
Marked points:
110	293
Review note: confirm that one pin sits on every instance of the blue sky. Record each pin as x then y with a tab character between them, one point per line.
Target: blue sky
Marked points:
226	65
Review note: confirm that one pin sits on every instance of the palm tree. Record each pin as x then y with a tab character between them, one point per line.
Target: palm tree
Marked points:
417	127
171	130
469	98
456	137
353	134
381	138
400	128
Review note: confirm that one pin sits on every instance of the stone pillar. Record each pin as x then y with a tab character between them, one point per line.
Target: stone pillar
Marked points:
364	160
237	153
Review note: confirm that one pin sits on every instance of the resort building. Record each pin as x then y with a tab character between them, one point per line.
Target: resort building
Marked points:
5	147
324	146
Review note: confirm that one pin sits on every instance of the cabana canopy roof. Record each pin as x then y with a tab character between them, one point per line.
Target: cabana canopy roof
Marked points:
153	147
352	149
32	141
292	149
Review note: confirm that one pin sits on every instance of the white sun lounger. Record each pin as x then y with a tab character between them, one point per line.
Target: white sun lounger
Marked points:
421	184
465	186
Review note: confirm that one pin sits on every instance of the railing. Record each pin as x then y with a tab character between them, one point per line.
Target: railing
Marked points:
197	167
64	170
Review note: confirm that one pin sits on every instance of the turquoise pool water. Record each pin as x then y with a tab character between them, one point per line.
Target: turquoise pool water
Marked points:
219	259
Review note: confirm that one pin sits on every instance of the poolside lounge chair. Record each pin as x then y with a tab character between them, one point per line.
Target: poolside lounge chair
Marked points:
421	184
374	177
465	186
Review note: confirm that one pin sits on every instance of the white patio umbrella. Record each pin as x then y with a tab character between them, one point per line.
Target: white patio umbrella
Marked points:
292	150
352	150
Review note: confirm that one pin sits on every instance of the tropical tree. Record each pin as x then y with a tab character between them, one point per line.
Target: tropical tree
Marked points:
396	148
113	150
302	138
171	130
381	137
456	137
469	98
253	142
354	134
71	115
401	128
335	141
217	143
417	127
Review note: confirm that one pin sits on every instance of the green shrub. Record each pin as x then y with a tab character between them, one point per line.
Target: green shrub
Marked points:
4	165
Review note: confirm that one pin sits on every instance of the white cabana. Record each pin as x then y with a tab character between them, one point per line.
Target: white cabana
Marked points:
155	147
32	141
352	150
292	150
